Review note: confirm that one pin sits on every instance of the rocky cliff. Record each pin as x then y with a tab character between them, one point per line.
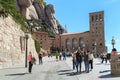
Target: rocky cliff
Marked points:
32	9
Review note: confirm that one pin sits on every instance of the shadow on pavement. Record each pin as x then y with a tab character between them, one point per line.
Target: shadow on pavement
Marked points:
69	72
104	71
64	70
16	74
105	76
98	63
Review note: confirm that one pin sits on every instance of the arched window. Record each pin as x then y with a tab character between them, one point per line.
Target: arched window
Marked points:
80	42
67	43
74	43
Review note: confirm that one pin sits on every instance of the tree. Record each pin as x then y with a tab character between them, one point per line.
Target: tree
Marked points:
37	46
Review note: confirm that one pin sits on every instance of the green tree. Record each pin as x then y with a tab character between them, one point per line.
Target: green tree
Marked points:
37	46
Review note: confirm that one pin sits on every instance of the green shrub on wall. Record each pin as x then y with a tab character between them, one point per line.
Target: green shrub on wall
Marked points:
9	7
37	46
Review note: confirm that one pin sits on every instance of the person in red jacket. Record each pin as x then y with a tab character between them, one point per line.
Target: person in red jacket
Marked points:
114	51
30	62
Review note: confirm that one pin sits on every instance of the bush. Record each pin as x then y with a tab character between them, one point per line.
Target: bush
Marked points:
37	46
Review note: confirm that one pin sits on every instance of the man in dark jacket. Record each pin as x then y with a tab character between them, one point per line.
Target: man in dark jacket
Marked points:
40	58
78	60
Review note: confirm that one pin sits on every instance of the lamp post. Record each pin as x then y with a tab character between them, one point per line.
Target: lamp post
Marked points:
26	38
113	42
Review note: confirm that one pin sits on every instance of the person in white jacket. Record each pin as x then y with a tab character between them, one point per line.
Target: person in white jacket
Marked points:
91	57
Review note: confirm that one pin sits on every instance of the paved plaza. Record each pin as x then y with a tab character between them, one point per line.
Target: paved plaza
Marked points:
61	70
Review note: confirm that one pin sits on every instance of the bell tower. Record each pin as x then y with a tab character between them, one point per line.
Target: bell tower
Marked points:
97	37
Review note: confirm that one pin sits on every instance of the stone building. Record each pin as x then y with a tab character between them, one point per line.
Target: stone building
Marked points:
93	40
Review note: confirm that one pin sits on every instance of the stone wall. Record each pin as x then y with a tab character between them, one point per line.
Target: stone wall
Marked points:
10	44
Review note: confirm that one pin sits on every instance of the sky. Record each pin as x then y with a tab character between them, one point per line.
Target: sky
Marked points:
74	14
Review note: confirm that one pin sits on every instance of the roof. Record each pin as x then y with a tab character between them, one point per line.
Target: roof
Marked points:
74	33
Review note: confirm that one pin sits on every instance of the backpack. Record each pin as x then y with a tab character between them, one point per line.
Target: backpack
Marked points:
33	60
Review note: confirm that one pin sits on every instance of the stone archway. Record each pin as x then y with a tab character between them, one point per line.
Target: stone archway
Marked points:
74	43
67	43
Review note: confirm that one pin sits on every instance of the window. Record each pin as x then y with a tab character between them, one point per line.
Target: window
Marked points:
67	43
100	17
40	42
100	23
96	17
100	44
74	43
92	18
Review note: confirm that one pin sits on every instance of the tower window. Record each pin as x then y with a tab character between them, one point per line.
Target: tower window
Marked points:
92	18
100	17
100	44
96	17
100	23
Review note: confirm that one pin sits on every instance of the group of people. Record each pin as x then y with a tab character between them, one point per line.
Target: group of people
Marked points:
79	56
61	54
32	60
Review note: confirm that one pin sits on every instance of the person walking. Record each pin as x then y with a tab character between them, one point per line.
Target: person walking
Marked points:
104	57
40	58
30	62
78	60
91	57
64	55
74	59
60	55
57	55
86	61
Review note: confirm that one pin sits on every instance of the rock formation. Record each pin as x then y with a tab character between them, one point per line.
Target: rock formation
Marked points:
39	10
23	5
34	10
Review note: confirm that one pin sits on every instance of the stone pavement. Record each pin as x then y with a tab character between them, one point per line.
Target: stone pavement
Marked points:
61	70
101	71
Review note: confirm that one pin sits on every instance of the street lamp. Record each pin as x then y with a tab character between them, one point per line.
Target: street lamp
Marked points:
26	38
113	42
